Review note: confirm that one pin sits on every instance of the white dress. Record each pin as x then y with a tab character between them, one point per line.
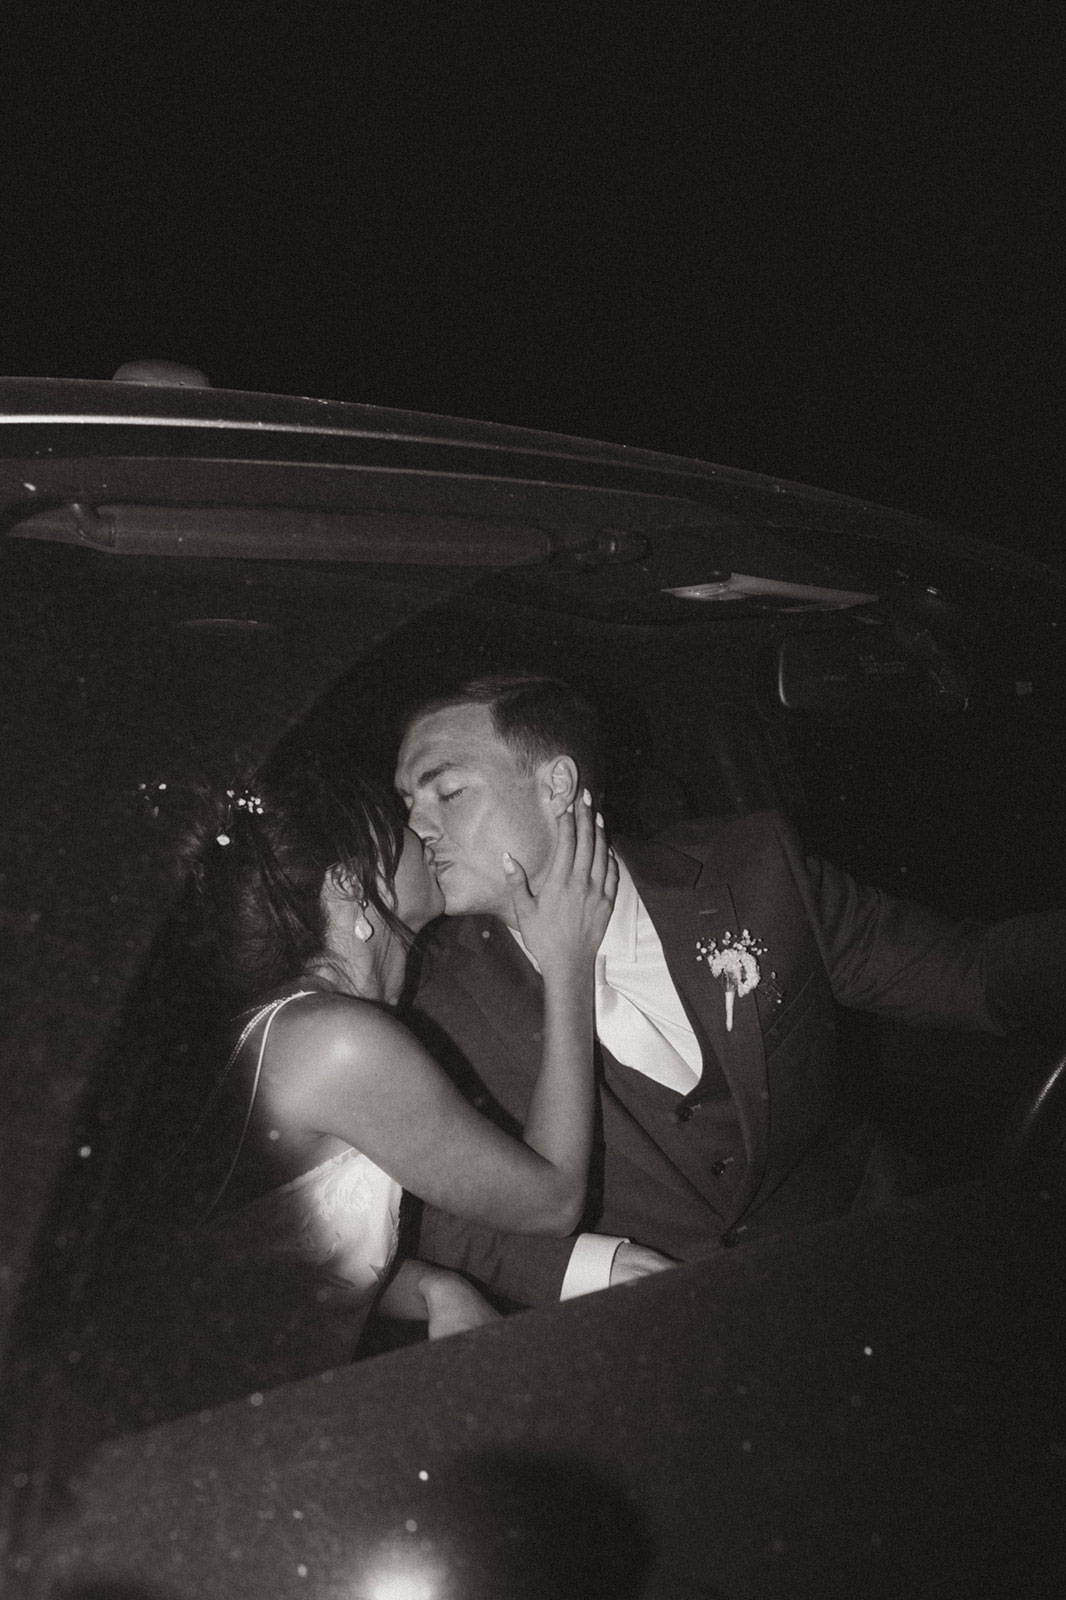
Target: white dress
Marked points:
298	1268
194	1312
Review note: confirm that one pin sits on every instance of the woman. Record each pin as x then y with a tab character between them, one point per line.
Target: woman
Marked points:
310	890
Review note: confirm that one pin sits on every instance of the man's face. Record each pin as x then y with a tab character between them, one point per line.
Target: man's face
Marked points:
469	800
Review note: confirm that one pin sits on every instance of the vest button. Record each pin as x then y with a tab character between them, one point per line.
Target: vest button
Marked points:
717	1168
682	1111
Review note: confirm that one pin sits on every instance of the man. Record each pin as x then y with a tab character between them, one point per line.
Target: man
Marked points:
715	998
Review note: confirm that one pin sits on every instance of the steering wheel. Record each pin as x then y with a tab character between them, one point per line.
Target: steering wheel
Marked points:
1037	1125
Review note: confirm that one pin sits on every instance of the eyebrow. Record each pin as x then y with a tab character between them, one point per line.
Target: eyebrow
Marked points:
434	772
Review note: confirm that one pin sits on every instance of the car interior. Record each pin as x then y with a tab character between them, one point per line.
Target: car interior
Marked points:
898	697
896	738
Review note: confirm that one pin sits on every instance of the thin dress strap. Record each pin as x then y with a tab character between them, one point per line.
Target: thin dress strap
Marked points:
269	1012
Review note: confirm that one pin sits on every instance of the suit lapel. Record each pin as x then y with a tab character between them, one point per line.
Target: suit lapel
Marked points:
689	904
488	973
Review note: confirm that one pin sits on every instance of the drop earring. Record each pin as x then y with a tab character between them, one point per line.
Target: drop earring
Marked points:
364	928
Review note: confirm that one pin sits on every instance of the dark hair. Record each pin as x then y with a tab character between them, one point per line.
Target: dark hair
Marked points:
537	718
288	825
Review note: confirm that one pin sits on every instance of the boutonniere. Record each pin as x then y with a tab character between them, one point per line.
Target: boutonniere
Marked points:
735	963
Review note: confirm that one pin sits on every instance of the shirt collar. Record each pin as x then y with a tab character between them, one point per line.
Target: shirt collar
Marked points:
619	943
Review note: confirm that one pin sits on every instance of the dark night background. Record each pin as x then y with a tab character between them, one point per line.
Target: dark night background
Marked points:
821	242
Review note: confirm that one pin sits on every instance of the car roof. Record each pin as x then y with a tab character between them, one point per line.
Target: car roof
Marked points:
303	479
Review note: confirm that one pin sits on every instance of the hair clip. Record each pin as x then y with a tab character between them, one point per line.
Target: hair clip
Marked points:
151	794
246	801
239	800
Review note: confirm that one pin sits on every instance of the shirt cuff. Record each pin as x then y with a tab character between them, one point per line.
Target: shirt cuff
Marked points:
590	1264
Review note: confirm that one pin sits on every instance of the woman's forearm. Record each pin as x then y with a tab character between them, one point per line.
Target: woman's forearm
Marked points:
420	1292
404	1297
562	926
560	1115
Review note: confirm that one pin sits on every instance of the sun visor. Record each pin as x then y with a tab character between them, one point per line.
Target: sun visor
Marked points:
272	534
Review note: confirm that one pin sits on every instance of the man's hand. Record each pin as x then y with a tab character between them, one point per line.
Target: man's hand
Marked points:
633	1261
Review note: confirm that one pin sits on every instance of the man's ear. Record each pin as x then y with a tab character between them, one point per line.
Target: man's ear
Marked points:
561	782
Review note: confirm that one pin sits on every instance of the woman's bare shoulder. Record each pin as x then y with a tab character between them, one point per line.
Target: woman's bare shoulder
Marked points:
340	1023
325	1032
334	1058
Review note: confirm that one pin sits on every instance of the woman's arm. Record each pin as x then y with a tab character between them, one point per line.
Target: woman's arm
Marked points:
347	1068
563	927
419	1292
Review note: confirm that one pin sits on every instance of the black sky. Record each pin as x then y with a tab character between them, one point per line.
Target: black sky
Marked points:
823	242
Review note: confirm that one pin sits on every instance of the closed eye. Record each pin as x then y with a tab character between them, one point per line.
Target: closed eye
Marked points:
452	794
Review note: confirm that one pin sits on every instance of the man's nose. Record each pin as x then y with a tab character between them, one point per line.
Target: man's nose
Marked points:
420	821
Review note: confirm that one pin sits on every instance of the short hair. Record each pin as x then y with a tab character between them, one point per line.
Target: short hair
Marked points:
536	717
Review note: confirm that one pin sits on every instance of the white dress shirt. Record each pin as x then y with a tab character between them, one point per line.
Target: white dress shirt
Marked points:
640	1019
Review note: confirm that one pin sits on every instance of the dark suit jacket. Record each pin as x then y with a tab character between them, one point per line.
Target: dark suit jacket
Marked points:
762	1143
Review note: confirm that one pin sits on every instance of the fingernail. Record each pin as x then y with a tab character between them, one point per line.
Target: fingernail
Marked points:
599	819
508	859
586	796
570	807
